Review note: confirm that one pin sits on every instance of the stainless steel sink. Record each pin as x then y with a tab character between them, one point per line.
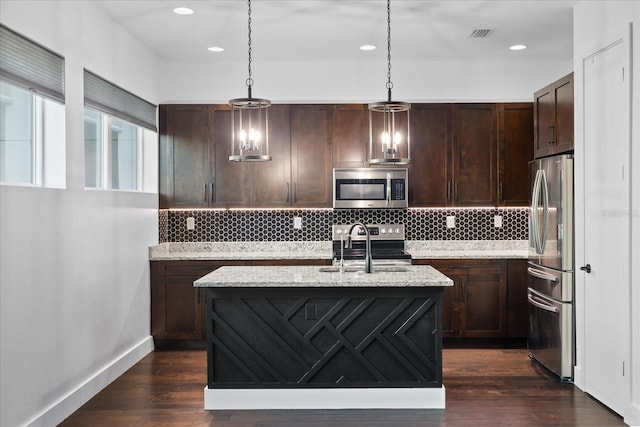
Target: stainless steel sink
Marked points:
360	269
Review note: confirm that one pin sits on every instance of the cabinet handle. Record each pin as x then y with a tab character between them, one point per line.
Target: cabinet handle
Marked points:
288	191
455	191
553	133
213	191
204	192
448	191
295	191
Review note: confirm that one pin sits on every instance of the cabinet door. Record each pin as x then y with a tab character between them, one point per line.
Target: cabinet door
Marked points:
515	150
183	156
176	309
483	301
544	101
311	155
430	172
350	135
450	296
271	181
474	157
563	130
230	179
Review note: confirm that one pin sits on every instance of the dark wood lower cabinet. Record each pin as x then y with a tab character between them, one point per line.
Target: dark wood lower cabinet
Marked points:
487	301
177	308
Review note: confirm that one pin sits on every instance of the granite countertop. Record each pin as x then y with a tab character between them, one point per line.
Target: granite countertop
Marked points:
314	276
431	249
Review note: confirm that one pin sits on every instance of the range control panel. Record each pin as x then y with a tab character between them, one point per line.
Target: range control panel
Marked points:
376	231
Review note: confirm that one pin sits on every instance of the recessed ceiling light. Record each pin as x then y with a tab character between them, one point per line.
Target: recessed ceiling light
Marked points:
518	47
367	47
216	49
183	11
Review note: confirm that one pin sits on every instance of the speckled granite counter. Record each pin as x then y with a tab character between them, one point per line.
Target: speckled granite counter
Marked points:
314	276
432	249
240	251
468	249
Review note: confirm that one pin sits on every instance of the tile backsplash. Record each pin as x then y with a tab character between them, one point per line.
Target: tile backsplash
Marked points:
218	225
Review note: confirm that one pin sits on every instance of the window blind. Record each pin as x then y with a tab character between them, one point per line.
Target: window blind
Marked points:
108	98
27	64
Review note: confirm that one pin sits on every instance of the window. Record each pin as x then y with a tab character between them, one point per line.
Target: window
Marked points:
114	153
32	113
32	139
120	138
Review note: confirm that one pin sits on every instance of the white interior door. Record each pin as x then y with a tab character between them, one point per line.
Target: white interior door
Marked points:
607	224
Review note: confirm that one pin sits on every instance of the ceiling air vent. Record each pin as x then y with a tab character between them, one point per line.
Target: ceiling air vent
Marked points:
480	33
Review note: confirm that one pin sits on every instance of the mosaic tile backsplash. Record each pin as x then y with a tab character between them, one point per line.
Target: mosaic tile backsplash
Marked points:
277	225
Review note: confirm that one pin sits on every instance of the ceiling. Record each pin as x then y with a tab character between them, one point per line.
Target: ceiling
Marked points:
333	30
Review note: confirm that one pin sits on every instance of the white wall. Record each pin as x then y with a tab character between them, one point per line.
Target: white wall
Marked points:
74	274
594	22
325	82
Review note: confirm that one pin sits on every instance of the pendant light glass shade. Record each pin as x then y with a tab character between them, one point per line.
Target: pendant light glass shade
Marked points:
389	132
249	122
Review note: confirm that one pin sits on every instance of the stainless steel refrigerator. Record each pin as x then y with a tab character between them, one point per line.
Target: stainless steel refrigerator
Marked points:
551	339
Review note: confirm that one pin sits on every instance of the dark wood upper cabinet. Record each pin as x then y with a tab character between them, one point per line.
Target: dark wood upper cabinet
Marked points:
474	155
430	170
184	156
311	155
230	180
271	181
350	135
553	118
461	155
515	150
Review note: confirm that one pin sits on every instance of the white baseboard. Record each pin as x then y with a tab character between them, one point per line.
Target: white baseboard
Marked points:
70	403
633	417
332	398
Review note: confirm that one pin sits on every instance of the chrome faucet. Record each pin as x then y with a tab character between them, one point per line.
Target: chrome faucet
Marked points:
367	255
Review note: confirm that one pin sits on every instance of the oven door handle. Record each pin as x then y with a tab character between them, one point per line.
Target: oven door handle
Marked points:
542	305
542	275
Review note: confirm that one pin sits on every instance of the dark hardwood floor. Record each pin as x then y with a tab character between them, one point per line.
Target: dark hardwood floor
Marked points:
485	387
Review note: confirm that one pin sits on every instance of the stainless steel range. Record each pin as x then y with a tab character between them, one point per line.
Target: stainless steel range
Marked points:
387	244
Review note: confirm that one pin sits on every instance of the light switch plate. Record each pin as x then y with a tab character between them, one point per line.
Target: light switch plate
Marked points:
497	221
451	222
191	223
297	222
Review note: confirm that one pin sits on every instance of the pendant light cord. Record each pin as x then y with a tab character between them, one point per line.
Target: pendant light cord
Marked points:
389	83
249	81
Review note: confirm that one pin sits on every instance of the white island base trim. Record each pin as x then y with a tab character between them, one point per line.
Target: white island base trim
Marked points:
325	398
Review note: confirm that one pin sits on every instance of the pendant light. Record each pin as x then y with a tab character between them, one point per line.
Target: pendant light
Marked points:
249	122
389	140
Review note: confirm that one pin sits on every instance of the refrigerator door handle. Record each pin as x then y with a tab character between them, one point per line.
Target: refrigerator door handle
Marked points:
542	305
535	196
545	209
542	275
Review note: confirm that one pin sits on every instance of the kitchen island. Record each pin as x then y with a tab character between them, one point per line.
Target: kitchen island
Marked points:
302	337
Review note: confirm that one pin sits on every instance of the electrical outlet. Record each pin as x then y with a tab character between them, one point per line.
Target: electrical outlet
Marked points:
451	222
497	221
191	223
297	222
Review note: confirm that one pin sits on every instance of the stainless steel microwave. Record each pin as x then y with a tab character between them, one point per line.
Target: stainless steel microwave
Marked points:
358	188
